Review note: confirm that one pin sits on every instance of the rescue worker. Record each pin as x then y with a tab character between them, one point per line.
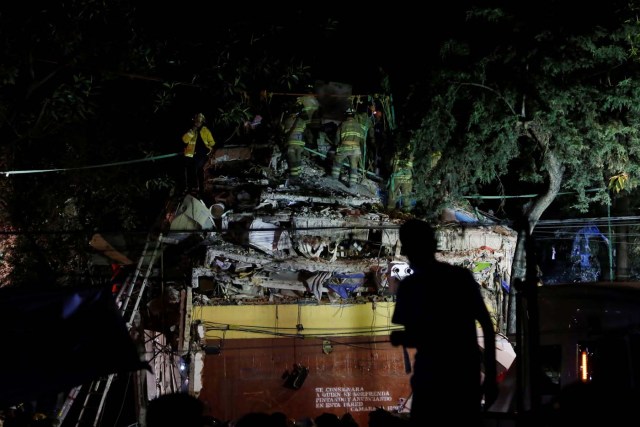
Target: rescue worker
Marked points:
199	143
295	136
351	135
368	147
401	180
309	104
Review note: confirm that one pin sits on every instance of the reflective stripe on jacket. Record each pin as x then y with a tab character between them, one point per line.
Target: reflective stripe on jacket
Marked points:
296	133
190	138
352	132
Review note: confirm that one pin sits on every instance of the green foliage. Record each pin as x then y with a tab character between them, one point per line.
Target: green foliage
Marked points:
233	114
91	82
70	102
500	104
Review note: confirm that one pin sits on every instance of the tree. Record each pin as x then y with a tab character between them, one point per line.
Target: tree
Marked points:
88	83
532	98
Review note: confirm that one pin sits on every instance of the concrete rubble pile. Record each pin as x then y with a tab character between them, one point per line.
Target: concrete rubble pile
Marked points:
318	241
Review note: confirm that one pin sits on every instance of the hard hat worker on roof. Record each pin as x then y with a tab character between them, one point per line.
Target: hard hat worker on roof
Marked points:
351	135
199	143
190	138
401	180
295	131
296	134
309	105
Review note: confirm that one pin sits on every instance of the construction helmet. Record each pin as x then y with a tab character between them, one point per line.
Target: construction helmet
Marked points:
350	112
199	116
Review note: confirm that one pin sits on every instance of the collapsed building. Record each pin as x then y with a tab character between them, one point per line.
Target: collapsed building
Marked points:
267	296
297	286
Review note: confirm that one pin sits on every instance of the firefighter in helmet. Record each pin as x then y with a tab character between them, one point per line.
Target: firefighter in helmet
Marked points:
198	144
295	136
351	135
401	180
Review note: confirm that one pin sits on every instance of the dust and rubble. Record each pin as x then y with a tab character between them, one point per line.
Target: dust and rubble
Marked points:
318	241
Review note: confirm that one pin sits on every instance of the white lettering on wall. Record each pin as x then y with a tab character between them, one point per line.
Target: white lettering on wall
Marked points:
354	399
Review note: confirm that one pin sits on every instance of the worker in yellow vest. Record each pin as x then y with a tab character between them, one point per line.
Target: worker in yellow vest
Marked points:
198	144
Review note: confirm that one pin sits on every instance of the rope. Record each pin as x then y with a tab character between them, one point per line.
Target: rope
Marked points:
128	162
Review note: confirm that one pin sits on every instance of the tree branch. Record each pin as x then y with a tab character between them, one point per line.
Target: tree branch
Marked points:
513	110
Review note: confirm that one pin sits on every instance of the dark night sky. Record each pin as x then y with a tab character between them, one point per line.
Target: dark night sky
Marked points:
398	38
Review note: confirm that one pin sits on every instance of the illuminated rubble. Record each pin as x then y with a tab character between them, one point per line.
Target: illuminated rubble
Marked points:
317	242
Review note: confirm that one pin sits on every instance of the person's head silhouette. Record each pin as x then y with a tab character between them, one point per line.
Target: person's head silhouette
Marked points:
175	409
418	240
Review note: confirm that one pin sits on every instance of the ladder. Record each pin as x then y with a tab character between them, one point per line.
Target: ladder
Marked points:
128	300
133	288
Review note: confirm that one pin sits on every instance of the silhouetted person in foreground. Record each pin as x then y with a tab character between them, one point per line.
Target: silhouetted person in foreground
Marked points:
255	419
347	420
438	305
280	419
175	409
327	419
383	418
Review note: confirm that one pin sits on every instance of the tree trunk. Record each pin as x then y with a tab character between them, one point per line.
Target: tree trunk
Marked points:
532	212
523	300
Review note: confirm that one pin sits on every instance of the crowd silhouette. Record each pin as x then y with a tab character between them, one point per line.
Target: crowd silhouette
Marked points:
185	410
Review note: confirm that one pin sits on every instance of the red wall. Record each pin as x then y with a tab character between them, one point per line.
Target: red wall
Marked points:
358	375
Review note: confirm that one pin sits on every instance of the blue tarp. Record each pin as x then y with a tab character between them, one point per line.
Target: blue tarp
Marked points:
349	282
